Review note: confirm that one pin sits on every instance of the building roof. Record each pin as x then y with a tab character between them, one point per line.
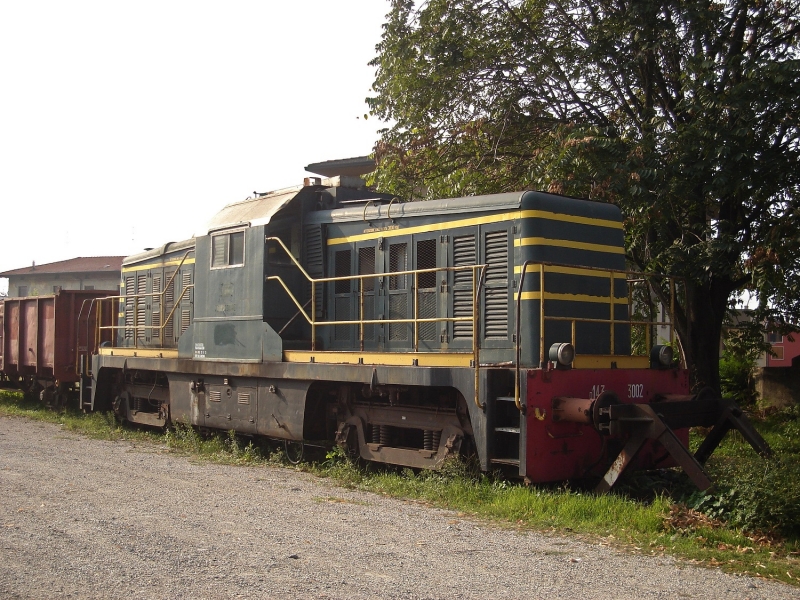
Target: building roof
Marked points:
81	264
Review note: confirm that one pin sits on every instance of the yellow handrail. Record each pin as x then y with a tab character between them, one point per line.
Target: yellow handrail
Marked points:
478	273
136	297
631	278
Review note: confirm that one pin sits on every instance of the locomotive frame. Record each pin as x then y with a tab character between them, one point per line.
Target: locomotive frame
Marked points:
406	333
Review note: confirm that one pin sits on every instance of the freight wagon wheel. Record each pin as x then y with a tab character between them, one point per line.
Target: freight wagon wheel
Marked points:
30	387
60	397
294	451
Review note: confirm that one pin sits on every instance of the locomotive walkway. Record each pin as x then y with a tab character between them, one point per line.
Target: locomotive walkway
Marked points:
82	518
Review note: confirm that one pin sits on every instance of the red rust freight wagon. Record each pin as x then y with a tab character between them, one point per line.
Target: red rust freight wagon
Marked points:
43	337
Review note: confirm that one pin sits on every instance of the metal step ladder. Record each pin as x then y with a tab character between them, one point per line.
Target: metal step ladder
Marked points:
85	392
507	433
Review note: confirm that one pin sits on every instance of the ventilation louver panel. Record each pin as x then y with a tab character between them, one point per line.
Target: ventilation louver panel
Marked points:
495	323
169	295
169	302
141	306
314	263
186	320
496	314
130	291
186	280
497	257
155	318
463	255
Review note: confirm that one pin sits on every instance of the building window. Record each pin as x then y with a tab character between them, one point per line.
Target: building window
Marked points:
227	250
775	338
23	290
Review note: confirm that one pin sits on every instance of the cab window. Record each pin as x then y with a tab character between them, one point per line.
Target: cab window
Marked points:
227	250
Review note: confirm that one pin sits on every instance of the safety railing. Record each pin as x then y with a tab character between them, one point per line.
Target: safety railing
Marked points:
477	279
117	302
83	350
631	278
478	274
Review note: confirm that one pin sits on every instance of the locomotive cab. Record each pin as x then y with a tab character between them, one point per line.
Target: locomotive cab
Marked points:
229	309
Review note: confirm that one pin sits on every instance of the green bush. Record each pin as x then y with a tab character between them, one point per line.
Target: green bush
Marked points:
736	379
754	493
755	497
743	345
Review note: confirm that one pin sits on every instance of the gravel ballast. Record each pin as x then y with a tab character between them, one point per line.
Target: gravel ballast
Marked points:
81	518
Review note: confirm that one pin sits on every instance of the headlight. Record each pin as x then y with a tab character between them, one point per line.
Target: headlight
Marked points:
660	356
562	353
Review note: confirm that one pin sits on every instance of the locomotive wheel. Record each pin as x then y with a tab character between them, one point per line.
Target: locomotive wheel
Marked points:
120	407
294	451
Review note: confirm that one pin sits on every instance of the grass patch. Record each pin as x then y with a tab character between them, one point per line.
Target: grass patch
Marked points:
676	521
101	426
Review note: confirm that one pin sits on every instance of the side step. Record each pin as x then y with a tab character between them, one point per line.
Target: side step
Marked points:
507	439
85	391
85	394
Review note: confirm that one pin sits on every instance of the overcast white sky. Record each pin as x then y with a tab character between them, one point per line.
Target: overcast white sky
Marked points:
127	125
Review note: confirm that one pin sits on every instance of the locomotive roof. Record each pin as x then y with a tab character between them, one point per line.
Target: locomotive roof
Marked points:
256	210
260	209
471	204
167	248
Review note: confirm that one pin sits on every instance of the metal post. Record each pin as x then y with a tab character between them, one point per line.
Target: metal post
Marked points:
361	313
416	310
611	296
97	336
475	355
541	314
313	315
518	335
162	329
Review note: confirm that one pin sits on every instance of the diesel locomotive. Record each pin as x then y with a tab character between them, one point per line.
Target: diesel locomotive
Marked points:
500	325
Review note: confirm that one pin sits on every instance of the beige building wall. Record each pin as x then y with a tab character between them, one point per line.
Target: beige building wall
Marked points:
45	284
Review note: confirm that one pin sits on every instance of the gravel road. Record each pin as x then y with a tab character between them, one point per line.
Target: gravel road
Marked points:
81	518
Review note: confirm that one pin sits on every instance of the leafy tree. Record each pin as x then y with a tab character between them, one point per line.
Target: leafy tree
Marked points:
744	342
684	113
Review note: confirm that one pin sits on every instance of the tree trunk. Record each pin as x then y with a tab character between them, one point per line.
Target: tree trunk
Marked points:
705	310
